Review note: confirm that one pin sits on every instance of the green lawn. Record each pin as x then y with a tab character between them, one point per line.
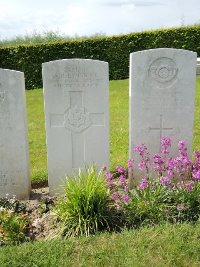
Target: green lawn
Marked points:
160	246
118	127
36	135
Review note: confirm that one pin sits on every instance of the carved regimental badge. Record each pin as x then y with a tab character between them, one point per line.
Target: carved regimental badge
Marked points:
163	70
77	119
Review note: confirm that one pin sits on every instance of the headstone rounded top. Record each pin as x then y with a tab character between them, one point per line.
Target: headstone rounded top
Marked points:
165	50
11	71
73	60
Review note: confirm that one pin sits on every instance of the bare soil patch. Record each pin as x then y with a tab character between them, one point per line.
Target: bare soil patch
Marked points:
43	221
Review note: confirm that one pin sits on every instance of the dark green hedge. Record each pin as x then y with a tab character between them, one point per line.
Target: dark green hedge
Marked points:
115	50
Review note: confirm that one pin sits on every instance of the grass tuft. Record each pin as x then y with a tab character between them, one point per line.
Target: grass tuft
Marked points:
84	210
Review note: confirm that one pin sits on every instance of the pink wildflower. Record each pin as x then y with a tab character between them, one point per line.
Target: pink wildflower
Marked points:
141	165
158	163
120	169
115	196
109	179
130	163
125	198
145	157
122	179
189	186
196	166
196	175
165	180
141	149
144	183
109	175
165	144
182	148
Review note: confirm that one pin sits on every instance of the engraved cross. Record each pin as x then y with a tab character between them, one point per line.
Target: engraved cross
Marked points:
77	119
161	127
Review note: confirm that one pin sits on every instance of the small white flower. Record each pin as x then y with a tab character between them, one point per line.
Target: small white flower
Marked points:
1	209
35	222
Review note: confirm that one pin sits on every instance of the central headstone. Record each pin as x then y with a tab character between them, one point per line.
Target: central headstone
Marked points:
14	156
162	90
76	111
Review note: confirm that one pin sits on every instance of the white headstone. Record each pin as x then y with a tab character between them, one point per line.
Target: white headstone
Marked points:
14	156
76	112
162	90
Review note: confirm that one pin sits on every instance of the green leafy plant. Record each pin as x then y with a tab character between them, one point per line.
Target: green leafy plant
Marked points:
169	190
13	227
85	209
157	203
146	206
183	203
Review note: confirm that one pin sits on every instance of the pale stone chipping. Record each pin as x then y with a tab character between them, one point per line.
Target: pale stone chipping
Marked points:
162	91
14	155
77	117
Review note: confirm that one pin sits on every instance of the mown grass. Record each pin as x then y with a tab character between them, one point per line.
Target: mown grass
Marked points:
118	122
36	135
118	127
163	246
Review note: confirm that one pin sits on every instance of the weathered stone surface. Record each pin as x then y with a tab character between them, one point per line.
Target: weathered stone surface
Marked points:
77	122
198	66
14	156
162	90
